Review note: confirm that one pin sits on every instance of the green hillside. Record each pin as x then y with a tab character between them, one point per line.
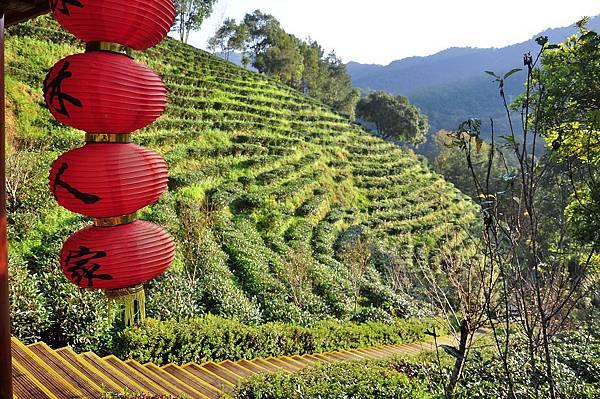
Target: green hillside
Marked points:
268	189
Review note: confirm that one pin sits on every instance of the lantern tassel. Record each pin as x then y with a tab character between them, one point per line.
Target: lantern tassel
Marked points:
129	298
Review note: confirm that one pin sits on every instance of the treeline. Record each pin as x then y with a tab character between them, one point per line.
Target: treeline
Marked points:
302	65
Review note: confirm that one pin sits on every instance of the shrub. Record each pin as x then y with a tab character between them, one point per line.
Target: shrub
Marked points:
173	296
83	319
357	380
28	313
215	338
371	314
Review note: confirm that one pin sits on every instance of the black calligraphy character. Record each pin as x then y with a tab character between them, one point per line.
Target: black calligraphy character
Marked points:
77	263
55	91
64	5
83	197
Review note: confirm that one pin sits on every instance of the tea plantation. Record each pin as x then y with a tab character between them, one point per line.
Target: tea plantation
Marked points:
268	188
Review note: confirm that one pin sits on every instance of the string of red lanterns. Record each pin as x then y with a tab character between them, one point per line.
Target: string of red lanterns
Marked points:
105	93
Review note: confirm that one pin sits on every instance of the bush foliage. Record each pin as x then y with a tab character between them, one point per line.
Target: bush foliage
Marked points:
215	338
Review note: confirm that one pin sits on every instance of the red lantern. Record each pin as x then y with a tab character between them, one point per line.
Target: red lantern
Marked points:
118	257
138	24
104	92
107	180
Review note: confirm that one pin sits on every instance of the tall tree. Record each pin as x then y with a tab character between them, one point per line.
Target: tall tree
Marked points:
394	117
337	87
229	37
282	60
569	82
299	64
190	15
451	164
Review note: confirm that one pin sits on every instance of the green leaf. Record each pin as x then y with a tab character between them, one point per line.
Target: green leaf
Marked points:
492	74
451	350
542	40
512	72
588	35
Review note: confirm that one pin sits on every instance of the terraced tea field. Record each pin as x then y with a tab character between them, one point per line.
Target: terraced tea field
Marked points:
260	175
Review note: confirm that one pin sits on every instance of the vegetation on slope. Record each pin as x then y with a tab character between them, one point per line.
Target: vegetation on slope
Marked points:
576	361
282	210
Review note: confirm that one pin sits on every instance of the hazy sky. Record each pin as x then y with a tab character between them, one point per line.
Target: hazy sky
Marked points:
380	31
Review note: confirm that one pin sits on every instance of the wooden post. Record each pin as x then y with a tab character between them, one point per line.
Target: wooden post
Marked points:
6	391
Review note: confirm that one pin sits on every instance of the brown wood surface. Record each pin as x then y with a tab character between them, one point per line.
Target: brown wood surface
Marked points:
22	10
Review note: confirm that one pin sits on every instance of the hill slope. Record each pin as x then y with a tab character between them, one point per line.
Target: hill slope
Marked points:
266	185
451	86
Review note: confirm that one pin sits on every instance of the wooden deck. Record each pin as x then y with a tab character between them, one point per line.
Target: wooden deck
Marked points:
40	372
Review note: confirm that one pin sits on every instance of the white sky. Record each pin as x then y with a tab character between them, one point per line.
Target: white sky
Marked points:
380	31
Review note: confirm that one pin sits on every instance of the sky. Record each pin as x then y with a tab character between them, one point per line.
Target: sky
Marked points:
381	31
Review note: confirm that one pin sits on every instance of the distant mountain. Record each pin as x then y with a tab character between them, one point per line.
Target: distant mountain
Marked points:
451	86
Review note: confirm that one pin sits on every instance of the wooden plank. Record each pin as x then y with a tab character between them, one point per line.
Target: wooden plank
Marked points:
211	386
150	376
266	365
221	372
43	373
184	388
336	356
387	350
321	357
22	14
292	361
311	358
113	373
305	362
208	377
26	386
284	365
90	371
354	355
371	353
255	368
236	369
66	370
132	374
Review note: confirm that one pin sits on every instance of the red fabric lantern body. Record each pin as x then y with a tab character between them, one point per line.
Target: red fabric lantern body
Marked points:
138	24
116	257
108	95
107	180
104	92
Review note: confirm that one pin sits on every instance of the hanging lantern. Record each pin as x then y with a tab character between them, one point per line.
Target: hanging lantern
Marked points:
138	24
104	92
107	180
118	259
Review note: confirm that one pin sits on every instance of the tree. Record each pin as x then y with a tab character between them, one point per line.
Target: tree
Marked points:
450	163
569	82
229	37
190	15
282	60
356	254
299	64
296	271
460	290
543	270
337	87
394	117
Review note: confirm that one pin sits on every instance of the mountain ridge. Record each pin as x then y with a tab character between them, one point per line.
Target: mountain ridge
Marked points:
456	75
